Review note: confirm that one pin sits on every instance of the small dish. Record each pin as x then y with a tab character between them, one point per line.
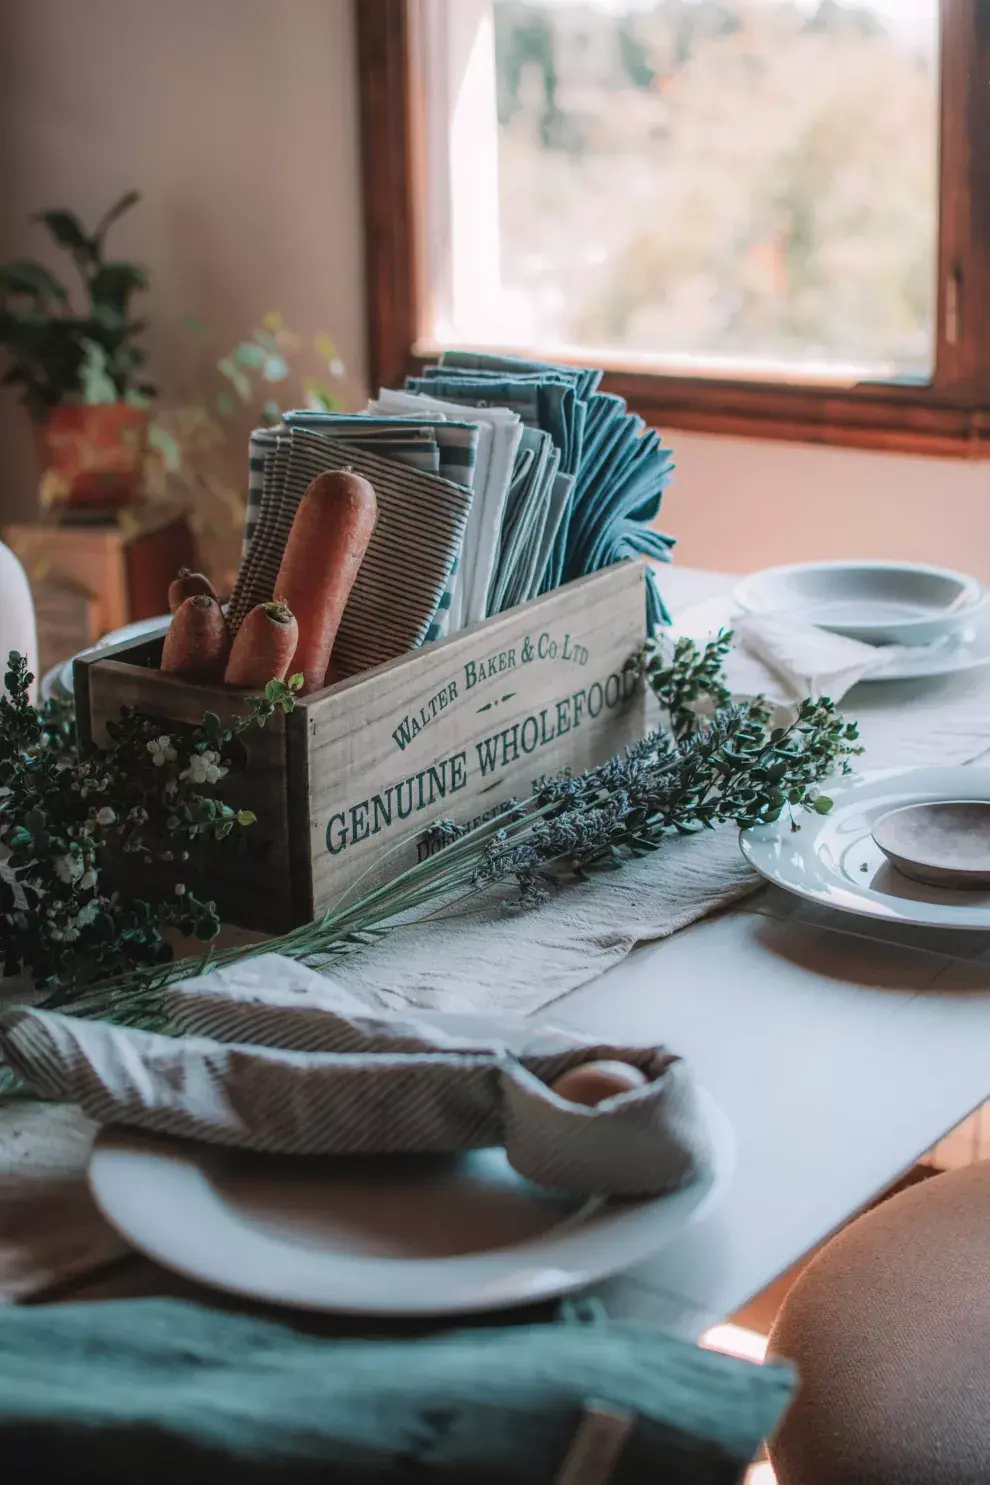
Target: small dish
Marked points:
835	861
902	603
944	844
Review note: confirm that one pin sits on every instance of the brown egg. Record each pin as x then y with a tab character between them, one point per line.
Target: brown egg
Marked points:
591	1082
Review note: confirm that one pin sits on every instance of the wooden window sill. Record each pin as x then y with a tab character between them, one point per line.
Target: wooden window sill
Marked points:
903	420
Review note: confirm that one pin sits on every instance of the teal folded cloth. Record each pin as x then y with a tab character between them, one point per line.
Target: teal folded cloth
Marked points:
618	466
162	1391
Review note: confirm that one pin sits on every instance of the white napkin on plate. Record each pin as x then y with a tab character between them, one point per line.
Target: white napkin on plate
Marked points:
803	660
783	659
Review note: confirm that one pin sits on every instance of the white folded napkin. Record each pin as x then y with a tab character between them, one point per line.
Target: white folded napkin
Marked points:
804	660
784	659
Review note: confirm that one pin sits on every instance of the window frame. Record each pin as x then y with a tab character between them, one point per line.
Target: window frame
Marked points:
950	416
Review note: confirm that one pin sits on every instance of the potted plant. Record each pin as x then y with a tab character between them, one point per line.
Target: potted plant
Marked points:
79	370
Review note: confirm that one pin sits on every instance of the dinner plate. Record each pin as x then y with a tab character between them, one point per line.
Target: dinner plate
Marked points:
57	683
834	860
903	603
967	649
382	1236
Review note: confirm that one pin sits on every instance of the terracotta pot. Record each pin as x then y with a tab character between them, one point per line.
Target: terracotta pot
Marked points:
92	455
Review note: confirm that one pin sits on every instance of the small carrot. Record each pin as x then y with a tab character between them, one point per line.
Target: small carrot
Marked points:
263	646
197	643
187	585
325	549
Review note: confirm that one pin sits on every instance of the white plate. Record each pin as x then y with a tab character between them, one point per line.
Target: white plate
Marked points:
410	1236
968	649
903	603
833	859
57	682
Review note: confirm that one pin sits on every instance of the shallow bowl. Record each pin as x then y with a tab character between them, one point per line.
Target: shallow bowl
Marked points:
879	603
945	843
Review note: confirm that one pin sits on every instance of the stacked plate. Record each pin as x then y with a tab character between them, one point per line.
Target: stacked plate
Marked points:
56	684
937	619
907	846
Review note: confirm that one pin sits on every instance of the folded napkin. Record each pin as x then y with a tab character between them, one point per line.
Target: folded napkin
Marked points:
585	379
161	1390
406	570
784	659
499	430
455	449
293	1065
619	467
801	659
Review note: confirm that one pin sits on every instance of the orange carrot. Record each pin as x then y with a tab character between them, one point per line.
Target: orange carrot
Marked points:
197	643
187	585
325	549
263	646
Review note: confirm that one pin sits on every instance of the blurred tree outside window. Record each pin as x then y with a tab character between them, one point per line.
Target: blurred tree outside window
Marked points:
738	182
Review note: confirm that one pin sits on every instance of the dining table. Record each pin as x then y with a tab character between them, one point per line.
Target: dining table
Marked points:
839	1048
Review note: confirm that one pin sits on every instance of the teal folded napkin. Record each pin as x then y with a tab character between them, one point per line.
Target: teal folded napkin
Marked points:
619	467
162	1391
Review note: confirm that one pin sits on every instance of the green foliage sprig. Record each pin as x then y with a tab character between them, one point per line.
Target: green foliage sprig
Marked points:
687	775
59	352
70	825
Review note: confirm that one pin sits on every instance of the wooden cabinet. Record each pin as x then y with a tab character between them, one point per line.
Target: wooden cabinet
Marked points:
124	566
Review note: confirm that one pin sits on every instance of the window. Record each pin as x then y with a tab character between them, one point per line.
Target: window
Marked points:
764	216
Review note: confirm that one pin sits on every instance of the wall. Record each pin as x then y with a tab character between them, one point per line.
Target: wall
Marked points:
237	121
735	504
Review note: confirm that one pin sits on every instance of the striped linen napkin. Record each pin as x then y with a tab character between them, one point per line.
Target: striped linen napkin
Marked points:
275	1057
550	444
500	432
546	400
412	444
406	570
454	456
527	509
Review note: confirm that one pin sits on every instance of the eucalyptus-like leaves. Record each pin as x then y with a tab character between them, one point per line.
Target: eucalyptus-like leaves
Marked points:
710	762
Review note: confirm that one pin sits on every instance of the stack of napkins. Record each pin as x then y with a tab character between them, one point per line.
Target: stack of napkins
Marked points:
274	1056
423	476
587	479
497	480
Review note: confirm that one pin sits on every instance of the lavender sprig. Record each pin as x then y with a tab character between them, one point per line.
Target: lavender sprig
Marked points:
698	771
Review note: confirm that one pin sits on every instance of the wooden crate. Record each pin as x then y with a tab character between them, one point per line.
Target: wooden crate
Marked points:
449	731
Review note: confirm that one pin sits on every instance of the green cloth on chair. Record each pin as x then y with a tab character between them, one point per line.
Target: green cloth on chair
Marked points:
166	1391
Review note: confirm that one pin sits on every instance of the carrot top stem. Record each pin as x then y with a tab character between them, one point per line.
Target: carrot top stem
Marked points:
279	611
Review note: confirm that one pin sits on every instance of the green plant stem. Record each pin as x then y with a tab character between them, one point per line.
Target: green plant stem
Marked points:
690	777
